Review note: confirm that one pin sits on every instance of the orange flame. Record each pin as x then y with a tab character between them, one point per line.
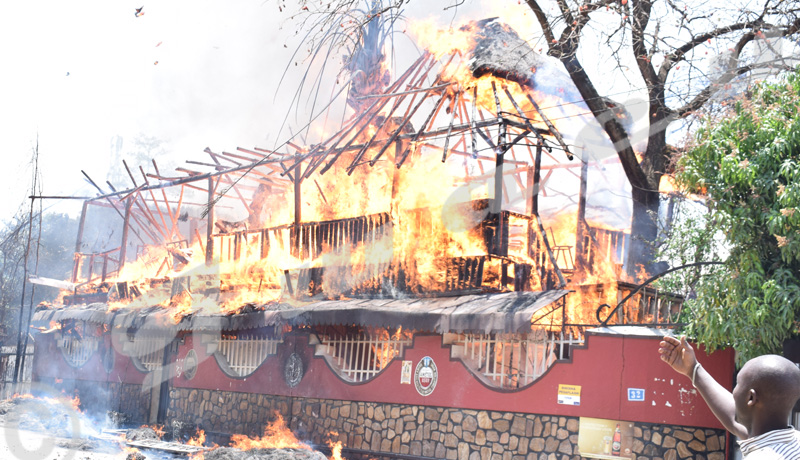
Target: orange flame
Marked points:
426	234
276	435
198	440
159	429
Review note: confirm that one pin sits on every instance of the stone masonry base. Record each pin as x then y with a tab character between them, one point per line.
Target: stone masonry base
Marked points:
435	432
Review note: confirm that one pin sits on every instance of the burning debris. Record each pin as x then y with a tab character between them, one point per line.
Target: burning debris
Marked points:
499	51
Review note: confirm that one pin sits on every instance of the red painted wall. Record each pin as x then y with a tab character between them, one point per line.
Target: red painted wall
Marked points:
49	362
604	368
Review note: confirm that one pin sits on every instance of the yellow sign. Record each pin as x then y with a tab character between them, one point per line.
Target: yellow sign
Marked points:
569	394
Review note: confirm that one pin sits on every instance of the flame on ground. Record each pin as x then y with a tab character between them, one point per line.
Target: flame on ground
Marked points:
276	435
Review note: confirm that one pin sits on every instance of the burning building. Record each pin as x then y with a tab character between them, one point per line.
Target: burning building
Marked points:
419	282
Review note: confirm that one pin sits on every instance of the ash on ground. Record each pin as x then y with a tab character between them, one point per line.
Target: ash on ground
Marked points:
140	434
50	415
229	453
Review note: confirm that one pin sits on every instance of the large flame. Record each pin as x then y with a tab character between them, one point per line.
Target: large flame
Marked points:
276	436
253	262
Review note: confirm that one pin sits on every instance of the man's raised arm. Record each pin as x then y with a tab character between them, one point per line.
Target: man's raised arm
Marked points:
680	355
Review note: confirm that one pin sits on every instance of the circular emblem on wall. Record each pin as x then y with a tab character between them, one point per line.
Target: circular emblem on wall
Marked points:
293	370
190	365
425	376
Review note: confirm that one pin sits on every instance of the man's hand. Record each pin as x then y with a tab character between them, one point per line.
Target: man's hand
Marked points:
678	354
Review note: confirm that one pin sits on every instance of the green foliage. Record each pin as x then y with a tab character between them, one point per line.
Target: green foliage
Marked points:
747	166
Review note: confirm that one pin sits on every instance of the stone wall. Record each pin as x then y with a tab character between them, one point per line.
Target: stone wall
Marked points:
129	399
435	432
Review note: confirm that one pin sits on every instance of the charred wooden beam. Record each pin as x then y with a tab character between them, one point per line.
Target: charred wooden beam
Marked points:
389	117
321	194
472	120
413	142
551	127
375	109
454	151
108	199
543	235
271	152
453	110
582	231
210	223
172	217
79	241
217	167
534	177
405	93
125	226
527	123
178	212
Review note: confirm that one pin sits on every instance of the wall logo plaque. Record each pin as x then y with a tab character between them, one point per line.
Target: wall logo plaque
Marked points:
425	376
293	370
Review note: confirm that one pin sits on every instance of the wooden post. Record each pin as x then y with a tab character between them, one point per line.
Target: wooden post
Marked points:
394	204
581	231
497	203
534	181
210	223
297	201
81	226
532	202
77	259
297	241
123	249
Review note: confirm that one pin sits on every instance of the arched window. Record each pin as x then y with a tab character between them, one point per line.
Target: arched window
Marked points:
77	343
359	354
239	353
509	361
146	350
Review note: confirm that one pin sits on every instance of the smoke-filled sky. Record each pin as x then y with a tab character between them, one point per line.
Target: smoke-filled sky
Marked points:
82	75
89	80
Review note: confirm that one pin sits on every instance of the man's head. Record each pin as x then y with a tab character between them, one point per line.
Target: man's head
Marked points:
767	388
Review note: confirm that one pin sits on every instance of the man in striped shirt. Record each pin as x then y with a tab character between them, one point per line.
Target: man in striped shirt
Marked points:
757	411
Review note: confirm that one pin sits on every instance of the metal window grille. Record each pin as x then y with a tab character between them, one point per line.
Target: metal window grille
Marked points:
511	360
360	356
77	350
243	353
148	351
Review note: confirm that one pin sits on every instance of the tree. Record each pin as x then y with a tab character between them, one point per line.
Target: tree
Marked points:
55	246
746	166
669	41
12	255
